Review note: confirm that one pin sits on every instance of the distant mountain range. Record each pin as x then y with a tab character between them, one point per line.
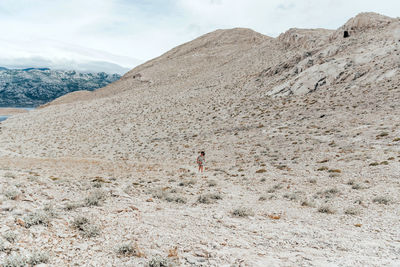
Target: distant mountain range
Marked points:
31	87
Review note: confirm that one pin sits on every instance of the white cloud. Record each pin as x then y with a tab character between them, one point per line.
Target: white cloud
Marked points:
123	31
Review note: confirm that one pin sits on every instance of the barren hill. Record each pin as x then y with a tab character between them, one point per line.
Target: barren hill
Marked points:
302	141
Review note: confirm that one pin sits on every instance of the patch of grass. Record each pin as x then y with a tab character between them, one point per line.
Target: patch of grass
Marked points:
331	191
187	182
159	261
19	260
37	218
323	168
2	246
307	203
312	181
374	164
10	236
326	209
126	249
385	162
334	171
97	185
38	257
382	134
176	199
129	249
11	194
95	198
261	171
209	198
15	260
85	227
397	139
242	212
381	200
160	193
351	211
72	206
212	183
291	196
357	186
275	188
263	179
10	175
262	198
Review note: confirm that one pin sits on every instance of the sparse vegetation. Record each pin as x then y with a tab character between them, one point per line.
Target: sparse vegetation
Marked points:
126	249
209	198
275	188
10	236
71	206
187	182
95	198
262	198
212	183
38	257
312	181
307	203
176	199
331	191
10	175
381	200
2	246
291	196
326	209
12	194
37	218
129	249
159	261
261	171
357	186
242	212
85	227
351	211
15	260
382	134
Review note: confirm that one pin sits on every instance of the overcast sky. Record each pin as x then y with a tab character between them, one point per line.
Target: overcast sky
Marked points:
116	35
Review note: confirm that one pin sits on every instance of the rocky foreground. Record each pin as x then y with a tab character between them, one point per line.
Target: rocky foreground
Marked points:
302	141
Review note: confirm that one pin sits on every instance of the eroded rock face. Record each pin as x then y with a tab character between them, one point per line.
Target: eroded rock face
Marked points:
304	38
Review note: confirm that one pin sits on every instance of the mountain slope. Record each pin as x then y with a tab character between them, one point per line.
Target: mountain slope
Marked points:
302	141
36	86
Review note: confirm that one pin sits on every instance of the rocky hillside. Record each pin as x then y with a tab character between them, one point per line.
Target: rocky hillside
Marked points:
302	141
36	86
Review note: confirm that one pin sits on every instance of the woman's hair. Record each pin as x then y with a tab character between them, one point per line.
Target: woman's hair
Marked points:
203	153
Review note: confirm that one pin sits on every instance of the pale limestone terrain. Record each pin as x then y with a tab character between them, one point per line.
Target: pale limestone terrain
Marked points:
302	141
11	111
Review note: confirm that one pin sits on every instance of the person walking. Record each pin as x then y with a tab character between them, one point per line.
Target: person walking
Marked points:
201	160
